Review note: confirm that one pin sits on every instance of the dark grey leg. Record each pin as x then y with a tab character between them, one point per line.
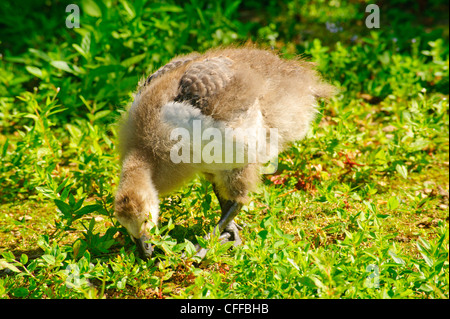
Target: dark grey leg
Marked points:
227	228
231	233
226	223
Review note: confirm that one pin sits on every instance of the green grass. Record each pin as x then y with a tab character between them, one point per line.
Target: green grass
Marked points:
359	209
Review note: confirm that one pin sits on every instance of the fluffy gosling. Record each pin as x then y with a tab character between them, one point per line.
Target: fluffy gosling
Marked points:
220	91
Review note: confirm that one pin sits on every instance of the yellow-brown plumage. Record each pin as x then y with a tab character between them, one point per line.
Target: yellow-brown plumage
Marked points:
223	88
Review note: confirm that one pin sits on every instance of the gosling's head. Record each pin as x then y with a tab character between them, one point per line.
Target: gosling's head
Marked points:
137	207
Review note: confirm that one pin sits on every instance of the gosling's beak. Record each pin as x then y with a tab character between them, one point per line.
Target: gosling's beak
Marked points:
145	249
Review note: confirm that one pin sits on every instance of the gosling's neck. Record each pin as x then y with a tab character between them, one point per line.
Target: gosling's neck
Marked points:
136	179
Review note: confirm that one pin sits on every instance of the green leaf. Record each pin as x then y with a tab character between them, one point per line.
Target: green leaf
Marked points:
62	65
307	281
62	185
5	147
202	242
293	263
168	275
427	259
74	131
6	265
91	8
160	7
20	292
34	71
43	242
49	259
393	203
425	250
401	169
91	225
128	9
231	8
86	43
263	234
63	207
133	60
23	259
72	201
100	114
419	144
122	283
396	259
87	209
65	192
44	56
189	248
79	49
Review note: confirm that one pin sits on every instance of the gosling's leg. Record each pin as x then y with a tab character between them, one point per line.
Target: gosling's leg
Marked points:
228	229
235	185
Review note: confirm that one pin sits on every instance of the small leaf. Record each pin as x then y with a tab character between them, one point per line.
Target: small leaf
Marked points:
40	54
6	265
8	255
5	147
23	259
34	71
396	259
292	262
79	49
72	201
62	65
86	42
87	209
101	114
168	275
202	242
178	247
76	248
62	185
393	203
425	250
49	259
340	163
91	8
401	169
263	234
91	225
190	248
63	207
122	283
133	60
427	259
307	281
20	292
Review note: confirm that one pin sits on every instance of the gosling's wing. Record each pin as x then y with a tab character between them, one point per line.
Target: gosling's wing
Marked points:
203	80
175	63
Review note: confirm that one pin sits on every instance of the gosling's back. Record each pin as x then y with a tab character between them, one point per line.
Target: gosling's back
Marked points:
233	86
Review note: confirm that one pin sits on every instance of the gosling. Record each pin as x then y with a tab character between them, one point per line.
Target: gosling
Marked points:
196	95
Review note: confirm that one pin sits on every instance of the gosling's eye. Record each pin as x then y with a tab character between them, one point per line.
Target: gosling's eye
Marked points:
144	225
124	200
